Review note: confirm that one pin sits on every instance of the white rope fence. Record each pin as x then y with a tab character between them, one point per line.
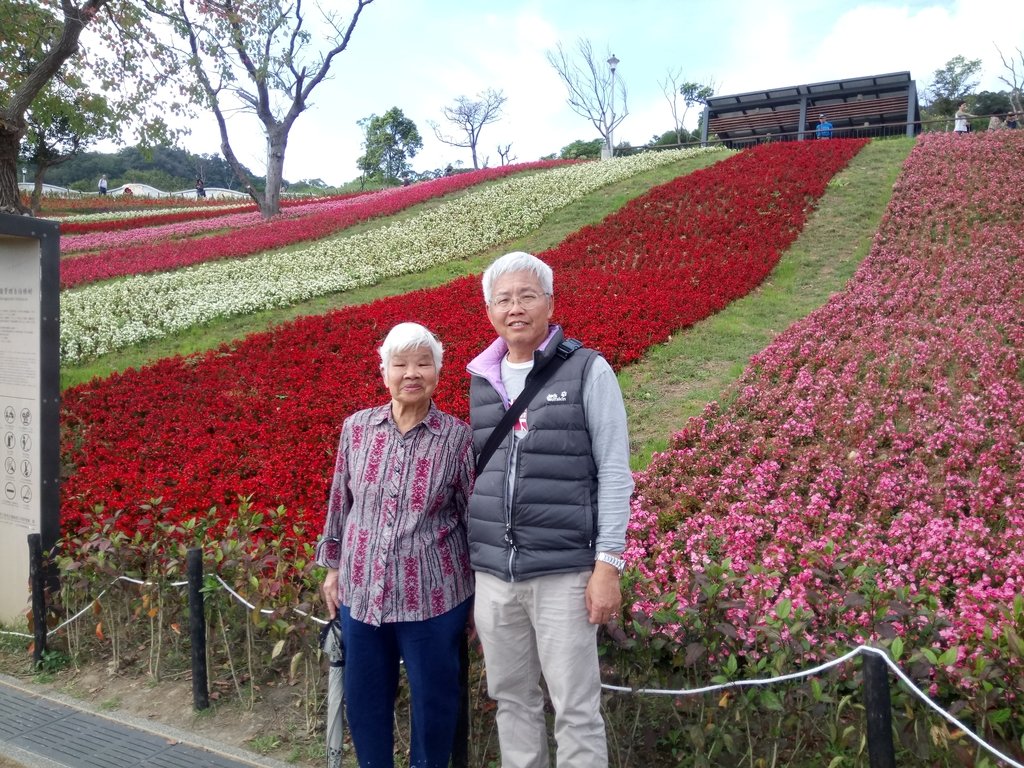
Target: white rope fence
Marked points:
139	582
266	611
92	602
860	649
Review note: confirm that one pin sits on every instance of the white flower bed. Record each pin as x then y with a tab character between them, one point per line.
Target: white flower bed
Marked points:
96	319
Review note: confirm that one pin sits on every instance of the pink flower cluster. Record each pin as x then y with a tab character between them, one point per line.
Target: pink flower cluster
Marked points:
868	478
186	225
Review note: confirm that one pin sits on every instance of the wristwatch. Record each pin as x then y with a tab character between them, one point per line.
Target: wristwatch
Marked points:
614	561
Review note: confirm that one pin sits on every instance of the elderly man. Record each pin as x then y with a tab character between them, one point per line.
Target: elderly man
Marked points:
548	518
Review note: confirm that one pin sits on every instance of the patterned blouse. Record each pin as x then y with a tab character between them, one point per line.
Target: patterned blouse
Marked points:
396	521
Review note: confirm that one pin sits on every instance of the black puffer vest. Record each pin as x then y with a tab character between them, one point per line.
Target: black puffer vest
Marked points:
553	519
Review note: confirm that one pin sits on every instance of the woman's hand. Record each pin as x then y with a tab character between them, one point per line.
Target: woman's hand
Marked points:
330	590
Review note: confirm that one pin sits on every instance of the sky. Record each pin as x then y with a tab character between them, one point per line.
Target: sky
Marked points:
421	55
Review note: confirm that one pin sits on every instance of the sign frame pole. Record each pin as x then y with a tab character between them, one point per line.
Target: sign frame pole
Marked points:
29	396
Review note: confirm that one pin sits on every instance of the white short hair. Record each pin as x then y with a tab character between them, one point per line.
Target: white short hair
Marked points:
407	336
518	261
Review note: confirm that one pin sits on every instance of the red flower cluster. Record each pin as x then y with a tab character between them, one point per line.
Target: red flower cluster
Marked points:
276	233
261	416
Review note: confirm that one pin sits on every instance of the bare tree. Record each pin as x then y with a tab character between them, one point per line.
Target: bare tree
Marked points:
692	93
469	117
1015	80
504	153
594	90
257	56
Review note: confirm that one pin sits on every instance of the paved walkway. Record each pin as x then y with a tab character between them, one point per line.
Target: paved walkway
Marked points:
53	731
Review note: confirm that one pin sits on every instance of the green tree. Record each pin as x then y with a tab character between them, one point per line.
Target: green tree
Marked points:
671	138
259	57
952	84
390	141
579	149
40	36
62	121
469	118
673	87
991	103
167	168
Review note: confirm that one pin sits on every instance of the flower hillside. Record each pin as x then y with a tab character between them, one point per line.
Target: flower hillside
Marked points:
867	483
112	315
154	245
261	417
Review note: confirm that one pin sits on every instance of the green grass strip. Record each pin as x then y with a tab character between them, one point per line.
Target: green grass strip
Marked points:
676	380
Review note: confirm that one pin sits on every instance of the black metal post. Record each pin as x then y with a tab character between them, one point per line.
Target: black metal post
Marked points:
878	712
197	628
460	744
37	580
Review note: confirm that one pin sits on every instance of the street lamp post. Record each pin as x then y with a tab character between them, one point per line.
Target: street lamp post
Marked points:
612	64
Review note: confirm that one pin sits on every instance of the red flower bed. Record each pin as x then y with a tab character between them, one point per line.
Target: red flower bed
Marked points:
265	235
261	417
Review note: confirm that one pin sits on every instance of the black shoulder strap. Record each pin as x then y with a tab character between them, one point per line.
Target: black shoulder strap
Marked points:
562	353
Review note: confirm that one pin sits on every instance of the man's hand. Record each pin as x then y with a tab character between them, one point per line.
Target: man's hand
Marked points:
603	595
330	590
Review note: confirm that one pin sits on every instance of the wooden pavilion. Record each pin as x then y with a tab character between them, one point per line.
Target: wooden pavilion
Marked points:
874	105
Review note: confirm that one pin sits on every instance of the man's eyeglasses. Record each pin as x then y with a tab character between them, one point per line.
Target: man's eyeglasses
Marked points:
525	301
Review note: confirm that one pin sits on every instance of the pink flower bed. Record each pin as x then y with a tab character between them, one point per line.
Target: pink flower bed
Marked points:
125	256
117	233
867	481
192	227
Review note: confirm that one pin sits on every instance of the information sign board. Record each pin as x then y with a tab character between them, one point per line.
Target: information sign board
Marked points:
29	400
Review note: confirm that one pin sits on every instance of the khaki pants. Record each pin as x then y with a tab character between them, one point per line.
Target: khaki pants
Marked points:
534	627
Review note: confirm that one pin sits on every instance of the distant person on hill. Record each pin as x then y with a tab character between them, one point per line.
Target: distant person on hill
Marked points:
127	192
824	129
1011	119
960	122
397	558
200	188
103	184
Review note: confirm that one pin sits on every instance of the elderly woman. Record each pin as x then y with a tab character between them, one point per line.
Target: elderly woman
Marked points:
394	544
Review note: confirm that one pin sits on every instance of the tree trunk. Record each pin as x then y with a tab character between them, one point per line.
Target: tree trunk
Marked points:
37	189
277	142
10	196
